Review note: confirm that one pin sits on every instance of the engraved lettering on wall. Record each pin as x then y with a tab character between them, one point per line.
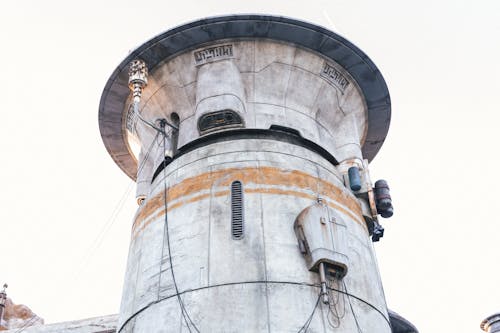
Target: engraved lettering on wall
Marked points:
335	77
213	53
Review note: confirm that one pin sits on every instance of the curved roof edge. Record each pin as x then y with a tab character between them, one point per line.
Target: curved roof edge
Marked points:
190	35
400	324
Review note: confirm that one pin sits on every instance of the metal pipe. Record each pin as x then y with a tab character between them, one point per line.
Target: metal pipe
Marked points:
354	178
322	277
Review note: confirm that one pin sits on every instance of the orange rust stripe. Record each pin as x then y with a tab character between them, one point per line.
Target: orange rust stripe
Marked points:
261	175
333	205
308	196
189	185
270	176
173	206
280	191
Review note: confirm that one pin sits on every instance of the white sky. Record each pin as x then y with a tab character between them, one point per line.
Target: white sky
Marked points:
439	258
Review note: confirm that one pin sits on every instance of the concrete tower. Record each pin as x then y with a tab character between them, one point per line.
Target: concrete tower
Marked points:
249	138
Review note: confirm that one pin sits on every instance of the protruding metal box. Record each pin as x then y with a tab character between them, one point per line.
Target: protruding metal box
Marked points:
321	234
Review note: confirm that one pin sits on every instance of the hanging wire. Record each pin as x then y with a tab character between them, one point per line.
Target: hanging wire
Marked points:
27	324
332	312
166	235
135	108
186	291
114	214
335	304
332	307
352	309
104	229
306	325
342	295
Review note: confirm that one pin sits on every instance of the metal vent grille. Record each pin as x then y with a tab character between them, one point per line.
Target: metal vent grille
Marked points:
237	222
219	120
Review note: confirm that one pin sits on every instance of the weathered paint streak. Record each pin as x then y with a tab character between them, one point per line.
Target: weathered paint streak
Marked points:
140	225
333	205
261	175
268	176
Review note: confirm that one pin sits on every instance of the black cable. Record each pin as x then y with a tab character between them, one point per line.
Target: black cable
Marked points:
335	306
251	282
352	310
27	324
305	327
143	162
365	302
185	314
136	112
166	235
332	308
334	315
338	302
114	215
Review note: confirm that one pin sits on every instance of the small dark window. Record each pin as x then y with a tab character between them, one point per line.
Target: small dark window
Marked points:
237	223
219	120
174	117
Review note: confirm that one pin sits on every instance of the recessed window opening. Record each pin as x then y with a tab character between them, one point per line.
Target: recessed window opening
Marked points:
218	120
174	117
237	218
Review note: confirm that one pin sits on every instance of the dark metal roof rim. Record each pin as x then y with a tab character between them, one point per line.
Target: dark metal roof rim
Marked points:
400	324
248	133
307	35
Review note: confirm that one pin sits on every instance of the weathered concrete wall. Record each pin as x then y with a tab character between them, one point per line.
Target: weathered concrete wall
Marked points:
104	324
223	280
267	83
258	72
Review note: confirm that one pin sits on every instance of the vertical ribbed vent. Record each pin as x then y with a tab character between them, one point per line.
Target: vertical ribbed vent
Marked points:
237	225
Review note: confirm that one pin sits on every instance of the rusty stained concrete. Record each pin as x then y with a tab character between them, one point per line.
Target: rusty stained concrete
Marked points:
221	277
318	85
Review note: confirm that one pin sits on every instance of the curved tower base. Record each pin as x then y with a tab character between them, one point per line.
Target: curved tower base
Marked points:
260	282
